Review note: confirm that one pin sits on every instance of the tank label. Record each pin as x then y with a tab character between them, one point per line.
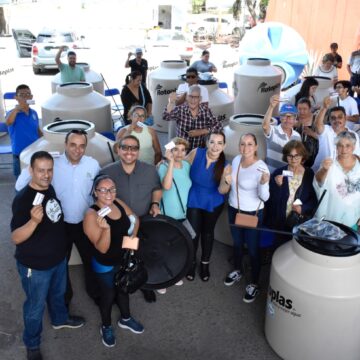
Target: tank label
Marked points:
225	64
264	87
160	91
277	300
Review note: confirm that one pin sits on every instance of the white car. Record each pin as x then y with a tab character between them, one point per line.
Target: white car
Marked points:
168	45
47	45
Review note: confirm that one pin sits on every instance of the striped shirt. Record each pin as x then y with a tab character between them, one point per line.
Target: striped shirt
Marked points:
275	142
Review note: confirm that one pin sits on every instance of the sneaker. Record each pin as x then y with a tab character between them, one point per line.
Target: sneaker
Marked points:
73	322
233	277
161	291
132	325
33	354
108	338
179	283
251	293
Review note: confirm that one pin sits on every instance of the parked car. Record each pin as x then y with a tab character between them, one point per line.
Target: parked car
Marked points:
24	40
47	45
169	44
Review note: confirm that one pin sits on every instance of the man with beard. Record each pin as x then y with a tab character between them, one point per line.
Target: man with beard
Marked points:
69	72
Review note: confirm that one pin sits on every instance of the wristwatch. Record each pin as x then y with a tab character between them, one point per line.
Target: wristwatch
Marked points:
155	203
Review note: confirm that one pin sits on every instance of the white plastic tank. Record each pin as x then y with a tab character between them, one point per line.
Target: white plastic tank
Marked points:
53	139
254	83
162	82
78	101
239	125
91	77
279	43
313	301
324	89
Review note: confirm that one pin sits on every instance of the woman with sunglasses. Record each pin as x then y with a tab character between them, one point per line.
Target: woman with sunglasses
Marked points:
290	188
150	151
107	233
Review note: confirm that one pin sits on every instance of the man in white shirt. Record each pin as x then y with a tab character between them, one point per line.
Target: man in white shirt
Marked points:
279	135
343	87
73	177
192	78
328	133
353	68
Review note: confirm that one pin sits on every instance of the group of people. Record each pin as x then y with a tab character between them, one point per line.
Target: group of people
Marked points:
305	156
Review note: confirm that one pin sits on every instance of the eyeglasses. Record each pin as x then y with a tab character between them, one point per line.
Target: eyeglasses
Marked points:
193	97
191	76
333	117
287	116
339	87
139	116
24	95
132	148
294	157
104	191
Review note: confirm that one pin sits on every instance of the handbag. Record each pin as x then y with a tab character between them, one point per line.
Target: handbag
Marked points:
242	219
132	274
185	222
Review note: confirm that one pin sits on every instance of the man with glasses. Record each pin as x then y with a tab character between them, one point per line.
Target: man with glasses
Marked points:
73	177
137	183
279	135
328	133
23	123
137	64
194	120
343	88
192	78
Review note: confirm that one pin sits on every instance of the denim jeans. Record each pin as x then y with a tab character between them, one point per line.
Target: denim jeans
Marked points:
252	240
42	287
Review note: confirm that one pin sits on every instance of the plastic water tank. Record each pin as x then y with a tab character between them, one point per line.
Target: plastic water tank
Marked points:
280	43
78	101
324	89
238	126
162	82
91	77
313	301
53	139
254	83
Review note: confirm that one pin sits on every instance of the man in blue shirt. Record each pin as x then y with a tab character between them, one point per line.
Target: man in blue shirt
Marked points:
23	123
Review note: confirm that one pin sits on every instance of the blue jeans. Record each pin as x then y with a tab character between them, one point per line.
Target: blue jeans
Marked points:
16	165
42	287
252	240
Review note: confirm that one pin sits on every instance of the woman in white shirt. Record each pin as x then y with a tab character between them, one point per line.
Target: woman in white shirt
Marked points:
249	189
327	68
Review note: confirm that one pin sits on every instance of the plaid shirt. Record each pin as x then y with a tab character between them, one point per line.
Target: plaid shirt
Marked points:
185	122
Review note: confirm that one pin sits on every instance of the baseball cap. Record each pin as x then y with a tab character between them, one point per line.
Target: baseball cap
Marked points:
288	109
138	50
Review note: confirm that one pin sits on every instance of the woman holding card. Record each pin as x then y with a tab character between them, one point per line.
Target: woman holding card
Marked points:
291	188
150	151
107	225
249	189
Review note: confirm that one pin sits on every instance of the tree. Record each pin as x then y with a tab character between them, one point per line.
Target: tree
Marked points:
257	9
2	22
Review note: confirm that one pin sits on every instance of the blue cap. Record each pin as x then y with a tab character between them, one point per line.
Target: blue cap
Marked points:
288	109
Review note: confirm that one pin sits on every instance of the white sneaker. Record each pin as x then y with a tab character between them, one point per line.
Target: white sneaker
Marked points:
179	283
161	291
233	277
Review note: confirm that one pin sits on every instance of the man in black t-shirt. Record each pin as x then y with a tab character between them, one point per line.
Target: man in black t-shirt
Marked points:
138	64
37	229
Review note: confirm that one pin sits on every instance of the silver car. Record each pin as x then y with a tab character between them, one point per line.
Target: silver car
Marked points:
47	45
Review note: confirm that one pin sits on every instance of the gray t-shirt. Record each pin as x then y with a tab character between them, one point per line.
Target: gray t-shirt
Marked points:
134	189
202	66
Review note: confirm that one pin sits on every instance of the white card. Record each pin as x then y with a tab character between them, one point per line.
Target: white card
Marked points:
170	145
141	124
54	154
104	211
30	102
297	202
39	197
287	173
262	169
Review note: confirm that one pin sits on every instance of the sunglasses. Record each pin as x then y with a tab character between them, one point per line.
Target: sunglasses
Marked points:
132	148
191	76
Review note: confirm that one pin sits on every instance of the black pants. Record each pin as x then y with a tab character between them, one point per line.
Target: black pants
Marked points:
109	295
204	223
355	81
75	235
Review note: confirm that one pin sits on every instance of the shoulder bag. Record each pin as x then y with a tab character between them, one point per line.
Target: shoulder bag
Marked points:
242	219
132	274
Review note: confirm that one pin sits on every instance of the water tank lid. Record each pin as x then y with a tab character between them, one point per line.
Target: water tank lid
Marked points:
258	61
173	64
347	246
64	126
